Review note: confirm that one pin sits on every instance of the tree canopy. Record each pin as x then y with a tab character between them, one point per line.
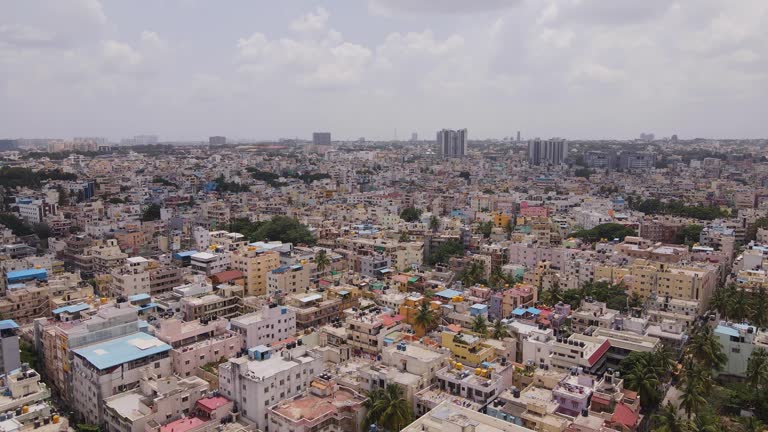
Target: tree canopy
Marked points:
608	231
410	214
279	228
442	253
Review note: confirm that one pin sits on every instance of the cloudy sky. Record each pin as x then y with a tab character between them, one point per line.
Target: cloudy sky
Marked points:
187	69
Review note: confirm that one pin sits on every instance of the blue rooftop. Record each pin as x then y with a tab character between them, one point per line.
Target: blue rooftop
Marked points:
8	324
185	254
448	293
71	308
20	275
533	310
727	330
139	297
518	311
125	349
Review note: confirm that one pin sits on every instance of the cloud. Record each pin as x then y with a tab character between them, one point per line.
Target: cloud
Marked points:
391	7
312	21
120	55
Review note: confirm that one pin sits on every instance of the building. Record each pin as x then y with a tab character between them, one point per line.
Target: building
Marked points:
104	369
265	327
131	279
288	280
326	406
634	160
547	152
255	263
449	417
738	342
264	378
369	332
36	211
197	343
599	159
217	140
452	143
314	309
321	138
10	358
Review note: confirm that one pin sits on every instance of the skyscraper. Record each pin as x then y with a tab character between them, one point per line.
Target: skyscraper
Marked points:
452	143
547	152
321	138
217	140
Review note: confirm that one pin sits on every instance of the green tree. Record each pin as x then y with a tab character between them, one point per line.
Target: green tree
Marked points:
642	373
509	228
608	231
499	330
719	302
480	326
322	261
410	214
635	300
667	420
705	349
16	225
443	252
403	237
760	308
151	213
434	223
425	317
692	398
757	369
485	228
496	278
690	234
388	408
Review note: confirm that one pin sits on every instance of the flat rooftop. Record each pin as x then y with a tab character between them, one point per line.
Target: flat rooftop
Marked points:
121	350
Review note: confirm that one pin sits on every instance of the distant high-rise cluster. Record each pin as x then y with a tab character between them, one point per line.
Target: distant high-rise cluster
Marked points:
452	143
321	138
547	152
140	140
217	140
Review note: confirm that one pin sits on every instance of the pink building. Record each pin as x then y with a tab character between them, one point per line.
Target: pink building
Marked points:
196	343
533	211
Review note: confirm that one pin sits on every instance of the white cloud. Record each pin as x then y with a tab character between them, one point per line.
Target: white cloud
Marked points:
390	7
312	21
119	55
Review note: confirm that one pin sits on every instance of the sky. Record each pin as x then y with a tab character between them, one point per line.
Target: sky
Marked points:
258	69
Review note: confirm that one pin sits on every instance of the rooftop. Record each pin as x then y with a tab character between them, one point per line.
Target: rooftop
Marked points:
312	407
121	350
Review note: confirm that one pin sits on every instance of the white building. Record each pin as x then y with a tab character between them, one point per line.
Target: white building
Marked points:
262	379
114	366
35	211
265	327
738	341
209	263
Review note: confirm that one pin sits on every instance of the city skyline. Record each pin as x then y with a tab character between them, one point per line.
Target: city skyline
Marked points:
105	68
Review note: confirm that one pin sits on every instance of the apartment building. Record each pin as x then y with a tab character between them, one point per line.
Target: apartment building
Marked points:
255	263
264	378
467	348
265	327
687	282
738	342
104	369
448	416
156	401
368	332
462	385
106	257
131	279
210	263
197	343
314	309
10	358
210	306
288	280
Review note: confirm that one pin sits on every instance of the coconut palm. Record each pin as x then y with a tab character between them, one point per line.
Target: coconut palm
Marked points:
751	424
757	368
480	326
322	261
509	227
719	302
706	349
635	300
388	408
692	398
740	307
760	308
499	330
434	223
668	420
496	278
642	374
425	317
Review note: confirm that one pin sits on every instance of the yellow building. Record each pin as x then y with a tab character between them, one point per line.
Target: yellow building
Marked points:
679	282
467	348
500	220
255	264
410	309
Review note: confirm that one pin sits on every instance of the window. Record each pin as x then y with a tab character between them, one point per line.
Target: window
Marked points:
736	350
157	365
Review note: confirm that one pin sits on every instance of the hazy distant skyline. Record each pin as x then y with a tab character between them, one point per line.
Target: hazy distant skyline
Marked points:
187	69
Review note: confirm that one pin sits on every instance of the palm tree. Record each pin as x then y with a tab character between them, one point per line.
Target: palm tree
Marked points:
760	309
757	368
388	408
322	261
425	317
480	326
668	420
509	228
719	302
663	360
555	292
496	278
642	374
692	398
434	223
740	305
499	330
706	349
